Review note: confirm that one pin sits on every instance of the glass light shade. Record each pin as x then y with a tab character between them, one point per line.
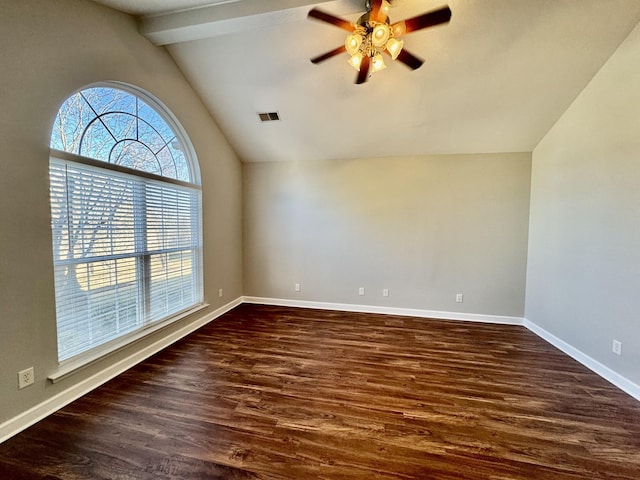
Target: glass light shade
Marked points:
352	43
385	7
356	60
399	29
378	63
380	35
394	47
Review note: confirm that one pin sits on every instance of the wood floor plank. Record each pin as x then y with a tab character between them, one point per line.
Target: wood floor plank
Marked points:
276	393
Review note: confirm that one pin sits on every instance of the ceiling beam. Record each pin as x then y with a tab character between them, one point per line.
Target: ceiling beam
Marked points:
223	18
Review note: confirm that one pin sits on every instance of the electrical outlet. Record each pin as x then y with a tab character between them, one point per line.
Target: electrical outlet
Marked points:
26	378
297	287
385	292
361	291
617	347
219	293
459	298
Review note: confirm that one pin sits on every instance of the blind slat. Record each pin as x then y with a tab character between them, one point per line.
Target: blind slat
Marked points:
126	253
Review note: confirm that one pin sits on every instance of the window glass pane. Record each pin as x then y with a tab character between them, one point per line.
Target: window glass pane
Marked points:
136	155
99	214
93	122
169	222
96	302
167	164
73	118
182	169
149	115
121	125
59	220
149	136
104	99
97	142
173	283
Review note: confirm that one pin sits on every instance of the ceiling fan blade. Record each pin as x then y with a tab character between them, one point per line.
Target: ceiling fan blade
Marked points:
328	55
376	11
419	22
333	20
363	74
410	60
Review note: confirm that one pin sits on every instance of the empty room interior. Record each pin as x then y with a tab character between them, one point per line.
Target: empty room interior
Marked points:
320	239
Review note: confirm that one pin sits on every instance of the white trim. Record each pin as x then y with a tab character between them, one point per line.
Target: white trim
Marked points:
407	312
25	419
605	372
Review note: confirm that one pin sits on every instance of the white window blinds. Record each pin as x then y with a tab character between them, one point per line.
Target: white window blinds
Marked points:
126	252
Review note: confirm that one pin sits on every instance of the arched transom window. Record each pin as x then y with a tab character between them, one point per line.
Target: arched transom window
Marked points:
126	218
118	127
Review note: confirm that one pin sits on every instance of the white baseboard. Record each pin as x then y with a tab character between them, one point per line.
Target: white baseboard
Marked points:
406	312
605	372
24	420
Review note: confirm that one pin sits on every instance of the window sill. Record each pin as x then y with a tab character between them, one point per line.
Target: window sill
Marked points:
72	366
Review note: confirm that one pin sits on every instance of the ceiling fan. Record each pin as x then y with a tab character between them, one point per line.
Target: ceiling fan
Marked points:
373	34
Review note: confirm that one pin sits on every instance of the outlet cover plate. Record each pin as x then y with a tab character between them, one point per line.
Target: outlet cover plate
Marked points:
26	377
617	347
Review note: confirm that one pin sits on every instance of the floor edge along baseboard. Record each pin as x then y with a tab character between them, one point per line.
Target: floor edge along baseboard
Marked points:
407	312
603	371
25	419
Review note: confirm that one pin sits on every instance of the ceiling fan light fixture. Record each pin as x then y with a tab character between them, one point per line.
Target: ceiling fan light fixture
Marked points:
352	43
394	47
356	60
380	35
373	34
378	63
399	29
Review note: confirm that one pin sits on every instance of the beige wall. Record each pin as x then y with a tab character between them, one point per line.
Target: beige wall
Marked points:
426	228
48	50
583	281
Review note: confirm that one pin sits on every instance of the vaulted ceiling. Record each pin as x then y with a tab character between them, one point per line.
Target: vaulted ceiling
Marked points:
495	79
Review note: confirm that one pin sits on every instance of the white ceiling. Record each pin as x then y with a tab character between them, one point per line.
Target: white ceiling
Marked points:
155	7
495	79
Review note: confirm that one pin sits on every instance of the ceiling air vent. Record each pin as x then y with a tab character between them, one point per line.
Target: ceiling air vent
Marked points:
269	117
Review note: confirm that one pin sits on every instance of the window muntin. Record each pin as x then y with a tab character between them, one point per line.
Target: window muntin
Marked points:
127	247
118	127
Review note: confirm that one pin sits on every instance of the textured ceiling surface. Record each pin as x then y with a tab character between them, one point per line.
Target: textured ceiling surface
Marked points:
495	79
155	7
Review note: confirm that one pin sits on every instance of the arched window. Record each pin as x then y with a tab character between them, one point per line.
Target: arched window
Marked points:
126	217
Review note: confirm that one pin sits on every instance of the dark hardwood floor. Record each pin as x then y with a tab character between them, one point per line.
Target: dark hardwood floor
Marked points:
274	393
